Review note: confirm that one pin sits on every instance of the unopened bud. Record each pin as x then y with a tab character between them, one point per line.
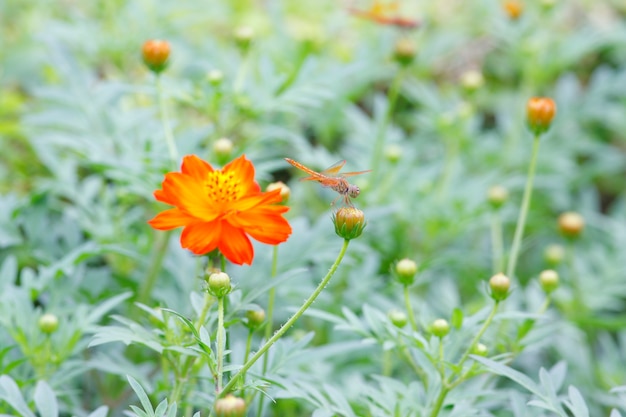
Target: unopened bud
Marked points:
243	38
571	224
215	77
349	222
230	406
405	271
155	54
404	51
393	153
254	318
479	349
219	284
549	280
48	323
223	149
539	114
554	254
499	285
513	9
285	191
398	318
472	80
440	328
497	196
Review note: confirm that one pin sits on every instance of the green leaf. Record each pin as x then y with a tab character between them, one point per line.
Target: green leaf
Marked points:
576	403
45	400
143	397
10	392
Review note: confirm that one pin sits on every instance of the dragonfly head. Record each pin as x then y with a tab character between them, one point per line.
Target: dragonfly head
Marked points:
353	191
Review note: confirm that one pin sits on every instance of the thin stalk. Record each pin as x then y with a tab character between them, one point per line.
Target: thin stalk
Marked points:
479	334
446	384
158	256
521	221
497	251
221	333
165	121
270	319
379	141
289	322
409	308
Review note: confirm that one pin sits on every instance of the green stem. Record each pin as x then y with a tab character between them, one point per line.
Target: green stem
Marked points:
447	385
392	98
440	399
165	120
496	243
409	308
220	343
289	322
148	283
521	221
270	319
479	334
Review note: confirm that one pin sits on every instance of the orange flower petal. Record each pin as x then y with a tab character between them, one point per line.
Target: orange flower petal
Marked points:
235	245
189	195
264	224
201	238
196	168
250	202
171	219
244	170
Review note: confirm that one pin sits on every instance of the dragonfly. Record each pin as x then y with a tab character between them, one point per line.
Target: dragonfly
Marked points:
331	178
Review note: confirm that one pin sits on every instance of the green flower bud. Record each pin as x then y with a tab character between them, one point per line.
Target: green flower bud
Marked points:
254	318
349	222
497	196
405	271
215	77
479	349
440	328
398	318
219	284
48	323
499	285
554	254
549	280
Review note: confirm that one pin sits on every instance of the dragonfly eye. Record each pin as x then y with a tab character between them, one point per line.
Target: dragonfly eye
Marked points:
354	191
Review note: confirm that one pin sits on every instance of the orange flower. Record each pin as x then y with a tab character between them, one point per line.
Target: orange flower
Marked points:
385	14
220	209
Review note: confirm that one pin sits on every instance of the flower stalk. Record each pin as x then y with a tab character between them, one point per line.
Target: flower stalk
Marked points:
246	366
521	221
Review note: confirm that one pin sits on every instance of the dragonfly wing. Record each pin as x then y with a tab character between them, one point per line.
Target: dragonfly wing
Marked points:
352	174
334	168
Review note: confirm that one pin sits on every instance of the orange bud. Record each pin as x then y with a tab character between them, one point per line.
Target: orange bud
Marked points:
571	224
155	53
513	8
539	114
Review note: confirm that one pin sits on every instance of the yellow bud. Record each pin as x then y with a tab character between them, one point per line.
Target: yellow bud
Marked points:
554	254
349	222
230	406
285	191
398	318
571	224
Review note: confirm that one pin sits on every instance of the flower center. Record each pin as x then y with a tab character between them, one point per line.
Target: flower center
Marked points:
223	187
